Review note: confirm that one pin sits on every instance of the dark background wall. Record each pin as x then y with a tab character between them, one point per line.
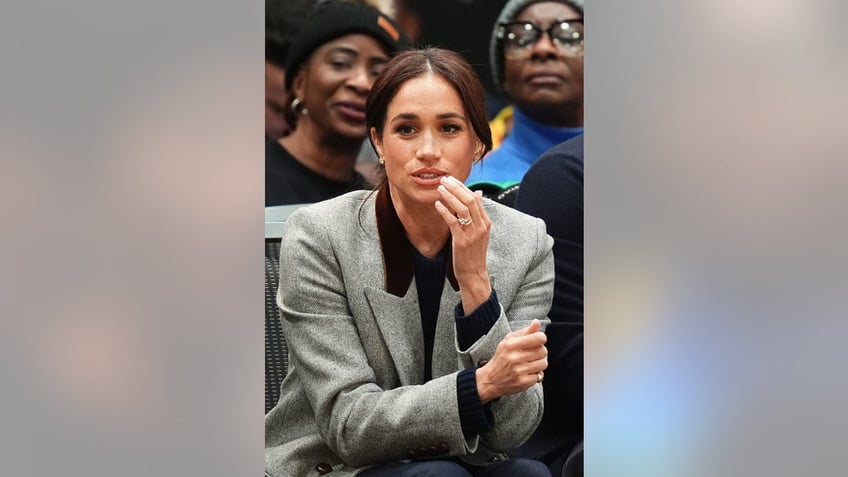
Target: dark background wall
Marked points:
464	26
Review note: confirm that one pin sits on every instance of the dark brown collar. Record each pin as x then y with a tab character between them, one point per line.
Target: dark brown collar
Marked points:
396	259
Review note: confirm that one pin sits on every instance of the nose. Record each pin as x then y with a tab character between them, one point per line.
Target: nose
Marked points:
360	80
428	148
544	47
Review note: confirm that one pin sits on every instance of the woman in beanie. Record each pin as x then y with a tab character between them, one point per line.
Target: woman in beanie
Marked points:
413	313
332	63
536	56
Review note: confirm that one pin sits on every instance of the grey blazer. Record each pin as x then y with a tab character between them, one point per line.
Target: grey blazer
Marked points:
355	394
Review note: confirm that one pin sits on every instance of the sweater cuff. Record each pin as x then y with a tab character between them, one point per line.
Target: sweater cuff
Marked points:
474	417
469	328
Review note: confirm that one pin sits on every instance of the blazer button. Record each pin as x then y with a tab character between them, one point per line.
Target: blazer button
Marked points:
482	363
411	453
495	459
423	451
323	468
443	448
434	450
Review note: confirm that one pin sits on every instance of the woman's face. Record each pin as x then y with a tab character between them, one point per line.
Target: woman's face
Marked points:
336	80
426	136
544	75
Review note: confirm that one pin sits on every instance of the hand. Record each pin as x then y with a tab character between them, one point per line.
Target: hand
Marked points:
518	360
470	242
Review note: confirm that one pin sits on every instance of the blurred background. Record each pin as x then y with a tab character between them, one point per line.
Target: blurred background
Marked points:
131	190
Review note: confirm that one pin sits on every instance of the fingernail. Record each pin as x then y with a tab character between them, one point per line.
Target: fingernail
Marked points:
442	189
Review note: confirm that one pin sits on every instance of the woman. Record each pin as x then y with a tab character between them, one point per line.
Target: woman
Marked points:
536	55
384	373
331	65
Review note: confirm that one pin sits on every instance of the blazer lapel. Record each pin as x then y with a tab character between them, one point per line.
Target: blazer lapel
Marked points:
444	345
399	321
395	308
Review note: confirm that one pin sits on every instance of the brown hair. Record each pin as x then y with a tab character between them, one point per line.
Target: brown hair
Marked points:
411	64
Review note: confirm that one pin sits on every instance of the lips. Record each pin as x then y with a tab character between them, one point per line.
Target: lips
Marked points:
428	177
545	78
352	111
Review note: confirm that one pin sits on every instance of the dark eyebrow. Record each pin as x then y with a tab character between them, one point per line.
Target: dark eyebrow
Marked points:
451	116
354	52
343	49
413	116
404	117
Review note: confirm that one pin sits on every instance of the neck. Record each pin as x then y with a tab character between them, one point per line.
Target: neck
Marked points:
425	228
328	155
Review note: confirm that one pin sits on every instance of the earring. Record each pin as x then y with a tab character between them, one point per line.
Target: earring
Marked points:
297	103
381	161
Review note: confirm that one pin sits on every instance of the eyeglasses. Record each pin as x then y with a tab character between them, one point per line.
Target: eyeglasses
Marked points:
519	37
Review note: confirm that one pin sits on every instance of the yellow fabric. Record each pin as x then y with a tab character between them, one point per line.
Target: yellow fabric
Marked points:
500	126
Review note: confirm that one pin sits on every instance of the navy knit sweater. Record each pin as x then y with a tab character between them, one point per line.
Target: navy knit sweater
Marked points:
475	417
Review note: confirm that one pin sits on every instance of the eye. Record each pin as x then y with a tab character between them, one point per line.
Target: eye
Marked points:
405	129
340	65
377	69
451	128
340	61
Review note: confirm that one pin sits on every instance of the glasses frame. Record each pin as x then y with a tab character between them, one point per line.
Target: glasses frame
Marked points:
539	30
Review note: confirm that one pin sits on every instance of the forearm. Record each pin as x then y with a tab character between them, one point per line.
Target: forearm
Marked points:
475	291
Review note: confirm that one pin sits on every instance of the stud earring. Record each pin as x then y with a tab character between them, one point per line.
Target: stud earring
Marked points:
381	161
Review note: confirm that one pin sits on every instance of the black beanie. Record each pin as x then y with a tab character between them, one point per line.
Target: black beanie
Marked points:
331	19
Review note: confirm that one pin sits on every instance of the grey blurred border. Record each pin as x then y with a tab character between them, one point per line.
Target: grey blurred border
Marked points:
131	204
715	231
131	193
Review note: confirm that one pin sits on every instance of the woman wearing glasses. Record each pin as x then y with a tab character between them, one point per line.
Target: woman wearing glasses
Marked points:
536	56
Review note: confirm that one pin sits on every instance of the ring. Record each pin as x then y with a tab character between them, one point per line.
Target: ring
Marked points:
539	378
463	221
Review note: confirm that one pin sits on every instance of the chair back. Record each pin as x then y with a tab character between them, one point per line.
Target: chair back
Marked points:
276	351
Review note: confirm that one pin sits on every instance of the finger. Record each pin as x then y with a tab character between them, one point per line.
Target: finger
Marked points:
457	188
528	342
534	367
534	326
459	208
476	208
528	355
526	331
448	216
539	365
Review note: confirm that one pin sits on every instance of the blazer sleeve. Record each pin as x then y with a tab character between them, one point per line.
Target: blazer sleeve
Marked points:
517	416
358	420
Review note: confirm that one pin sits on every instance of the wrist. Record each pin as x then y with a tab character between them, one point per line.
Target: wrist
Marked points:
474	295
484	389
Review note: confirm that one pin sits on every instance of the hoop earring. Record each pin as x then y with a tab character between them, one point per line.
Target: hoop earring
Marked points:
297	103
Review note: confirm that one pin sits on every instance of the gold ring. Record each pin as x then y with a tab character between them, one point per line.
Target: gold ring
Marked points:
463	221
540	377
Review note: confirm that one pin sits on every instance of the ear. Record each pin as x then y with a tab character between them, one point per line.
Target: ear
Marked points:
479	150
376	141
299	84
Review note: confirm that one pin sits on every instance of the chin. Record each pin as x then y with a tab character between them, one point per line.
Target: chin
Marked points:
427	196
352	133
